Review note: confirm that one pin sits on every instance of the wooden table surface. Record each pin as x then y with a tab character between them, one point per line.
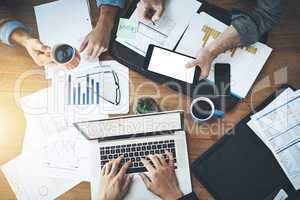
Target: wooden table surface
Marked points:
281	67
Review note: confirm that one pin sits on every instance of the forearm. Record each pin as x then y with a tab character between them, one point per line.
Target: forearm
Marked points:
19	37
13	31
252	23
107	16
227	40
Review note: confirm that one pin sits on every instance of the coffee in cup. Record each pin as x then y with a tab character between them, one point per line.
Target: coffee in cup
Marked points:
66	55
203	109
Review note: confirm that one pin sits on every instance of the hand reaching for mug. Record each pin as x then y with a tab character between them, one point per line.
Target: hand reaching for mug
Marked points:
161	180
39	52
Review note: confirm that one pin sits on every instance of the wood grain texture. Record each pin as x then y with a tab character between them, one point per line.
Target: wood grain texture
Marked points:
281	67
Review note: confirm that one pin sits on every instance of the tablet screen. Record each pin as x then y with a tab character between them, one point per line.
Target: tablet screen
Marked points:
171	64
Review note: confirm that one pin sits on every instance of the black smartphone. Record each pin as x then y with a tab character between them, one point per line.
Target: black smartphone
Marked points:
222	78
171	64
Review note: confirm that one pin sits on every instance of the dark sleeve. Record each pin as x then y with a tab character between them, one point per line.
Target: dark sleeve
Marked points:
191	196
251	24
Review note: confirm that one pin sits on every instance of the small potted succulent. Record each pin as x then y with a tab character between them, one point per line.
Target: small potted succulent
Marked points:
146	105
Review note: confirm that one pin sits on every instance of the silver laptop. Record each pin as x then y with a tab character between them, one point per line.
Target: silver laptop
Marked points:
136	137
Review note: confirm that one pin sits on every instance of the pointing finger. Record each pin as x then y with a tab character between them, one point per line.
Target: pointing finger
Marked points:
148	166
124	168
116	165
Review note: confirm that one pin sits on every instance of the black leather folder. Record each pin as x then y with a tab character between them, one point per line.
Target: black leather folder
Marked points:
241	167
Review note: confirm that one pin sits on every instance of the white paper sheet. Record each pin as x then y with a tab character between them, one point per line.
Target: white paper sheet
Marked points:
60	155
279	129
167	31
64	21
285	96
107	89
282	195
29	182
47	132
245	66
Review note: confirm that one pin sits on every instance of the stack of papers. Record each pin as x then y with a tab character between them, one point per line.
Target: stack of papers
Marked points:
55	156
246	63
167	31
278	126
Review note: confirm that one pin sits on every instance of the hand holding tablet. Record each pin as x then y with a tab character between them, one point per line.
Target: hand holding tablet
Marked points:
168	63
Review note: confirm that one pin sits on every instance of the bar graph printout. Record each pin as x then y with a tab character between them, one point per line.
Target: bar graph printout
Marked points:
244	62
105	87
85	90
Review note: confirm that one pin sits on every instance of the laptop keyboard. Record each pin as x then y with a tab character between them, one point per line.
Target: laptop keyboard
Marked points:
135	152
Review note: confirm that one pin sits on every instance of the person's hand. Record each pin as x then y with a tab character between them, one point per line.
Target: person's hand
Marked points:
39	52
150	10
97	41
114	182
204	59
162	180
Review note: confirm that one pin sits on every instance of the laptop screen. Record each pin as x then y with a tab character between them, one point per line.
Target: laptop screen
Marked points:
131	125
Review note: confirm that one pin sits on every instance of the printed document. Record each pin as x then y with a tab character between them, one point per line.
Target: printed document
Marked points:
246	63
61	150
278	126
101	87
29	182
282	195
167	31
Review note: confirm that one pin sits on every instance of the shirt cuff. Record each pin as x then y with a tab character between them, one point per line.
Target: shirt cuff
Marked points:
9	27
246	27
118	3
190	196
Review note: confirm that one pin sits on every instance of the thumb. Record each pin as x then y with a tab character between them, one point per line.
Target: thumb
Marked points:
39	46
192	64
204	72
158	13
46	49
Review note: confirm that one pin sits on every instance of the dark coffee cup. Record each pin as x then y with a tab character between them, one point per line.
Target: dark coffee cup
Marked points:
66	55
203	109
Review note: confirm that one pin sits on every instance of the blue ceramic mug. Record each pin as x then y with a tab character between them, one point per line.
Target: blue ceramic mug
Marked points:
202	109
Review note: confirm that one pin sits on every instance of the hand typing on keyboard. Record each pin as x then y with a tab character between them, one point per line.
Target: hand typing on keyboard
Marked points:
114	181
161	180
135	152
